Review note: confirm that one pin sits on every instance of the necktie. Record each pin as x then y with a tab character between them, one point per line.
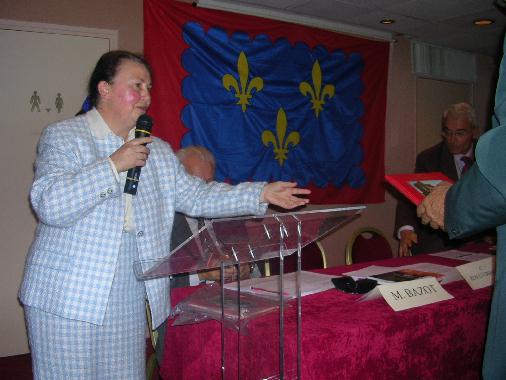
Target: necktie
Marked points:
468	162
200	222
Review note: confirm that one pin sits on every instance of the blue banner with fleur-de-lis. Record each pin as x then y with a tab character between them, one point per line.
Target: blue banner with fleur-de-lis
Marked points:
272	104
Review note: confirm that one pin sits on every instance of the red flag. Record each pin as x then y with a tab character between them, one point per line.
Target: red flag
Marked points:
353	176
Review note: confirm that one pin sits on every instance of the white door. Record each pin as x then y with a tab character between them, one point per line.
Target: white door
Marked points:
44	71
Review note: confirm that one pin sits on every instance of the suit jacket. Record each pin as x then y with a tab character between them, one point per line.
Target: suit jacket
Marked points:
180	232
434	159
81	210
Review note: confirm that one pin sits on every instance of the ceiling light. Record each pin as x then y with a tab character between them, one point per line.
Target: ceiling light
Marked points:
483	21
387	21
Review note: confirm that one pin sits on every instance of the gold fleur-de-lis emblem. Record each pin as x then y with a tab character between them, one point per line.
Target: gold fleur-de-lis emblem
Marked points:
280	145
317	93
244	92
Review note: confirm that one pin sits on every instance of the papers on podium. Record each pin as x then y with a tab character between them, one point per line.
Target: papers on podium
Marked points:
205	304
310	283
258	296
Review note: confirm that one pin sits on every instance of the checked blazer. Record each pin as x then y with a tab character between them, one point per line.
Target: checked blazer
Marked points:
80	208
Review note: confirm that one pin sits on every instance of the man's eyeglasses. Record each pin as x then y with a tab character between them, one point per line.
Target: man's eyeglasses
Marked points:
458	133
349	285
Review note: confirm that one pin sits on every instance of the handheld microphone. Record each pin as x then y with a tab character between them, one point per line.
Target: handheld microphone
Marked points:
142	129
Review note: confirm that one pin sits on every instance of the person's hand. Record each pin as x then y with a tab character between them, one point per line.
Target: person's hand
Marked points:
432	208
230	273
131	154
284	194
214	275
408	238
245	271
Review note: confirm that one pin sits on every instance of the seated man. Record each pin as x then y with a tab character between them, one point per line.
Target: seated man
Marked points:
199	162
452	156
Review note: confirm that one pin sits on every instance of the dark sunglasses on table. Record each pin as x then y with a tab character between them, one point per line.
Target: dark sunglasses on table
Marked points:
348	285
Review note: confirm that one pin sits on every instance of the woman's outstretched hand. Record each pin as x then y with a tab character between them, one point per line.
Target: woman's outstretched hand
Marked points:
284	194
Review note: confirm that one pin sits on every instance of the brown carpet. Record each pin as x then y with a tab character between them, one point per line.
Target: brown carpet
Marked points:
17	367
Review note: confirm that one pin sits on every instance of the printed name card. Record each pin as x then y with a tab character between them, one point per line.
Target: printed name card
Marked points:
479	274
409	294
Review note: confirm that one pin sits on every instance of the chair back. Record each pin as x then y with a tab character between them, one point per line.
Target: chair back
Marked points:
367	244
312	257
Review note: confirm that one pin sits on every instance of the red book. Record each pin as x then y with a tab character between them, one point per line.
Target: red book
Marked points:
417	185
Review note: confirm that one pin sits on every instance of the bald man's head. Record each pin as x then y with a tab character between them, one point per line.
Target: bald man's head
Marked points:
197	161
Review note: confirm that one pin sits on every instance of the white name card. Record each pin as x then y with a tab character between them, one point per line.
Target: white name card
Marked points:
409	294
479	274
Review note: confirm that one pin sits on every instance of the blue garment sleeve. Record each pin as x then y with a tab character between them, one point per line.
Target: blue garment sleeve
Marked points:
473	205
478	200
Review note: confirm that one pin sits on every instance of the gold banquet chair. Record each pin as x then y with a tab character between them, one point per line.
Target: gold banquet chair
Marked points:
312	257
367	244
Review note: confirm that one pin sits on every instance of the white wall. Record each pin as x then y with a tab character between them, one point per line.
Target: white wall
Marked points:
55	64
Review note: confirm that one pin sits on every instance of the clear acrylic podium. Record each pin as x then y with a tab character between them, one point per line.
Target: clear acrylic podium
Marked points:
235	241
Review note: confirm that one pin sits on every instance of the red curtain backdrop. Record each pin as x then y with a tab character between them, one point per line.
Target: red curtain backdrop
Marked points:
176	107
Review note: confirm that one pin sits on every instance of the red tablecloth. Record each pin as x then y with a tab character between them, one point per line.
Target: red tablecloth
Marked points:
344	339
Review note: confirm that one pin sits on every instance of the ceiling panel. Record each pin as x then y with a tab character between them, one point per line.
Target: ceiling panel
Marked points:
446	23
438	10
332	10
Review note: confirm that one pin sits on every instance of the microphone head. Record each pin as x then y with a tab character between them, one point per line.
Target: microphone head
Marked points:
143	126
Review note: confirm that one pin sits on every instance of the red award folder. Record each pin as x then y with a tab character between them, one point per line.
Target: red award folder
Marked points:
417	185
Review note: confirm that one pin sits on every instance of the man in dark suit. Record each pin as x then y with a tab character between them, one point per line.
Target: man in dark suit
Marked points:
199	162
453	156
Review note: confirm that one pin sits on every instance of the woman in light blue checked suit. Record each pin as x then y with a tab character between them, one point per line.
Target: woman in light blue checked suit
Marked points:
84	307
